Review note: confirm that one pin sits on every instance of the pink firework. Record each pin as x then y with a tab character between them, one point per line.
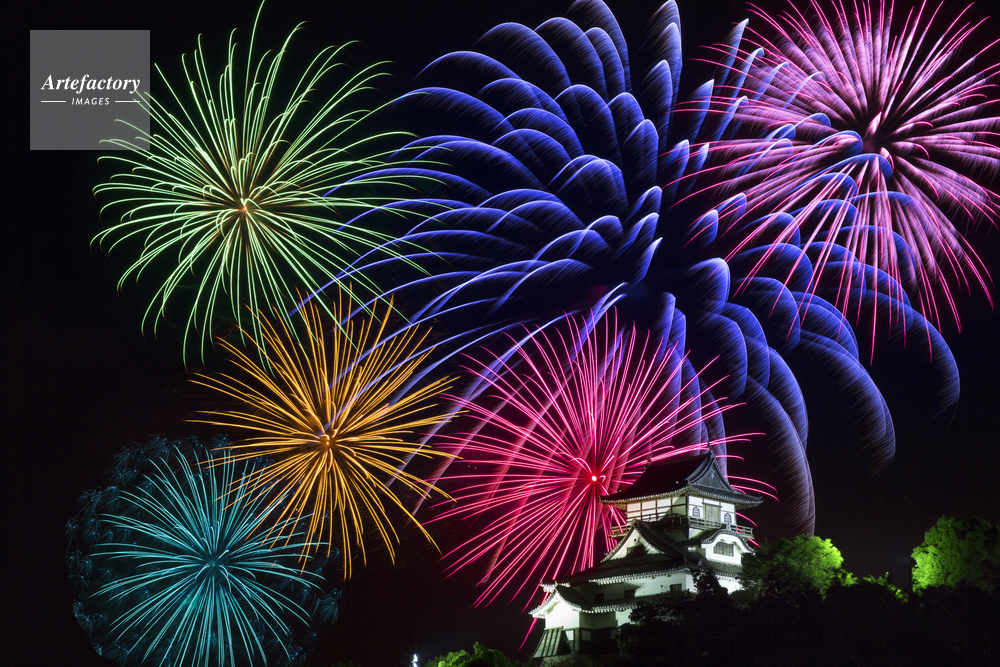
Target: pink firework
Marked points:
878	141
575	416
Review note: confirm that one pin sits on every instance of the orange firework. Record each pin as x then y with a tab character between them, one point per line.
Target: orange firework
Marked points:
337	415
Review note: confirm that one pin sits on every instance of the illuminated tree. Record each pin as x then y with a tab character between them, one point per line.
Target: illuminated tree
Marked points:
958	552
479	657
795	565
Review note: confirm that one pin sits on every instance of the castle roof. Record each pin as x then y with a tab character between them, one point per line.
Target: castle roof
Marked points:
662	555
699	475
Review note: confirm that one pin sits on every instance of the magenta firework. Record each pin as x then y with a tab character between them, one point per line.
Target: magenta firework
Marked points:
575	415
873	130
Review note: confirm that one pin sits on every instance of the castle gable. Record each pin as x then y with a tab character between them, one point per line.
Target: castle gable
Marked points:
642	540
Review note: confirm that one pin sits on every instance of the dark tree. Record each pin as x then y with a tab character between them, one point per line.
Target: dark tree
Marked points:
706	628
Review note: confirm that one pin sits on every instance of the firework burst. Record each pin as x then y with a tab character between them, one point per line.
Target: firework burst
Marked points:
875	132
576	415
171	569
562	177
244	191
334	412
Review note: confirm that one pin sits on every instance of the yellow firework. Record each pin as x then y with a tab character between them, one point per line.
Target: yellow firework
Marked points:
334	412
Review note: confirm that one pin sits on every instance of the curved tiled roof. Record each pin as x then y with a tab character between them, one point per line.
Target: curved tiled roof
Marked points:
708	538
699	474
667	557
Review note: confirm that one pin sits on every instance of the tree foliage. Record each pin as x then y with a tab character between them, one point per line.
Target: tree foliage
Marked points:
479	657
867	624
885	581
956	552
682	628
805	609
800	564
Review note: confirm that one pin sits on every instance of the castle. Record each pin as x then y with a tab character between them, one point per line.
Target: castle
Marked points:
681	519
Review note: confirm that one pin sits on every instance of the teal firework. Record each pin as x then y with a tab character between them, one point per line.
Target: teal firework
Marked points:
241	199
173	568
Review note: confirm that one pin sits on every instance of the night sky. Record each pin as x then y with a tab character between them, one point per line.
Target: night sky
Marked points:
81	380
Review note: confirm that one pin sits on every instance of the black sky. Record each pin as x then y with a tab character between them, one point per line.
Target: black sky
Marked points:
81	380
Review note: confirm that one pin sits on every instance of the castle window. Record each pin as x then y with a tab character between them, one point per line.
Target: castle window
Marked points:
712	512
696	512
727	518
676	588
724	548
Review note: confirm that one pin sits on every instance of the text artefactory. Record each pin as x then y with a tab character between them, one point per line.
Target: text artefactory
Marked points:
88	83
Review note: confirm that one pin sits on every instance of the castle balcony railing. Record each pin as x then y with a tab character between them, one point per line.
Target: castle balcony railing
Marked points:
673	521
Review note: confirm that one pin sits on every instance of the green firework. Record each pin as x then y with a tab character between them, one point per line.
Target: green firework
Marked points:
242	196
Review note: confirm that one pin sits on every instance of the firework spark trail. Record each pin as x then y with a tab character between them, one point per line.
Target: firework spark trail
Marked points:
243	194
576	415
333	411
882	140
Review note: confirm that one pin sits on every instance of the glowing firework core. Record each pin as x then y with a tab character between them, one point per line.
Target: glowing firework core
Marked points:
335	413
578	416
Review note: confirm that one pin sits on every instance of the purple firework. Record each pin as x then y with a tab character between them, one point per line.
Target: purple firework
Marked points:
872	131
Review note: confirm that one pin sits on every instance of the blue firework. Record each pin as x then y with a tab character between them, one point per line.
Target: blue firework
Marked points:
565	184
171	566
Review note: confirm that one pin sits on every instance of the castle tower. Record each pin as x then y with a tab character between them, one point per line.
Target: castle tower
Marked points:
681	519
